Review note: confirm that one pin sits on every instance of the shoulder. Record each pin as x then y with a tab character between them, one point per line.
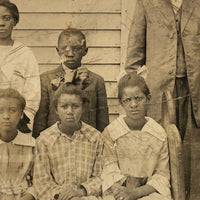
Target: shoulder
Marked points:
92	134
155	129
117	128
95	77
48	136
24	139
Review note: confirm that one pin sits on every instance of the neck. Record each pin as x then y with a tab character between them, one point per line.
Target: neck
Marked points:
135	124
69	130
6	41
8	136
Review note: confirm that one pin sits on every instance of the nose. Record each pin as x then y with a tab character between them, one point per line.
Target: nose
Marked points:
6	115
70	52
2	22
69	110
133	103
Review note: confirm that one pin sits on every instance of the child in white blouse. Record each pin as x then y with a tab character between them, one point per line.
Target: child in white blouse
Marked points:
16	157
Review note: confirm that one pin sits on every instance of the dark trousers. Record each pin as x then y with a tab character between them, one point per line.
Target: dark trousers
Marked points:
190	135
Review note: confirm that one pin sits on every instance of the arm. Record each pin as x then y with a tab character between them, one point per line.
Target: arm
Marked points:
43	180
136	52
102	116
160	178
93	184
41	118
32	90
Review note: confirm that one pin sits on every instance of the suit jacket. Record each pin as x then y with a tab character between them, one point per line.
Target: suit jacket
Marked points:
153	42
95	114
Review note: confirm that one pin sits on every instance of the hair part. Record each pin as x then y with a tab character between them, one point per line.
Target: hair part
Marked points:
12	93
72	31
71	89
133	80
12	8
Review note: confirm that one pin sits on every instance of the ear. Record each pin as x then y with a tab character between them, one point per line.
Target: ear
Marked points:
22	115
85	51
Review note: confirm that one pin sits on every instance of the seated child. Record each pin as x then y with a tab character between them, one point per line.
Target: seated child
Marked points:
16	157
71	49
68	154
136	152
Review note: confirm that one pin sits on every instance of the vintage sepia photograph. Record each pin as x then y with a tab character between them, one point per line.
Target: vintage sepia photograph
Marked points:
100	100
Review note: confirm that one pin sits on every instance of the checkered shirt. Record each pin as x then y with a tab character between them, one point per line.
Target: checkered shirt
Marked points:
61	161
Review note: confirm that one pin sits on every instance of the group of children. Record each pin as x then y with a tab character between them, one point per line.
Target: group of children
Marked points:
71	159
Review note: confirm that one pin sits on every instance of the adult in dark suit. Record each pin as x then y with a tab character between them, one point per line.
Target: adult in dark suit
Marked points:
71	49
165	36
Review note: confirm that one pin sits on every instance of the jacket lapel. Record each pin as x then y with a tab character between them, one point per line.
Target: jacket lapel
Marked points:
187	10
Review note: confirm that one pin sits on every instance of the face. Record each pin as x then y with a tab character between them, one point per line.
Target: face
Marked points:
71	49
134	102
6	23
10	114
69	109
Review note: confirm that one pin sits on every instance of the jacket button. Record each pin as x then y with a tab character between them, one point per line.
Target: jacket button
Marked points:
171	71
171	35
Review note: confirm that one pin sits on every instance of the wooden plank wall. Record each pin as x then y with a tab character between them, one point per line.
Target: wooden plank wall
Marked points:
100	20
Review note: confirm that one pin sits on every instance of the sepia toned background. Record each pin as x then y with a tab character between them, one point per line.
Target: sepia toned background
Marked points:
104	22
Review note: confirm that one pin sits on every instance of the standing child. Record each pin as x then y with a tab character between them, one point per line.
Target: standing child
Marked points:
136	152
68	154
18	66
16	157
71	49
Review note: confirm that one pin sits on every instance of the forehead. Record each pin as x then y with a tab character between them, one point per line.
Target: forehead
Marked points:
132	91
9	102
71	39
4	11
69	99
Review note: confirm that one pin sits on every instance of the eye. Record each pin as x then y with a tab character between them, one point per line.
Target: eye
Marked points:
12	110
7	18
76	106
127	100
137	98
77	48
64	106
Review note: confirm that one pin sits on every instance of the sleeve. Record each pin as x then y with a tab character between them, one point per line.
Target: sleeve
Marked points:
32	88
102	116
93	184
43	181
41	118
111	173
161	176
136	52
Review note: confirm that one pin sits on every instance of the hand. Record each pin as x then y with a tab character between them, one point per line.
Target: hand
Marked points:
124	194
27	197
71	192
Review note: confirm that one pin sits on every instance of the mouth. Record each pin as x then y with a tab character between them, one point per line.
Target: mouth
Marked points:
6	123
2	30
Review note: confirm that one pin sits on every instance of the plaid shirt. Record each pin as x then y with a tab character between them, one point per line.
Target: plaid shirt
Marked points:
16	163
62	161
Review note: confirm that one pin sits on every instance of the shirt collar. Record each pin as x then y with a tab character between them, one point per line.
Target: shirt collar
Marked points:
86	130
151	127
22	139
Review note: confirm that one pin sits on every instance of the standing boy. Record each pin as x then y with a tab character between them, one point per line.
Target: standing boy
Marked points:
71	48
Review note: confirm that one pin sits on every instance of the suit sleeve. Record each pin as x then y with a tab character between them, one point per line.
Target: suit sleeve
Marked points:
102	117
136	52
41	118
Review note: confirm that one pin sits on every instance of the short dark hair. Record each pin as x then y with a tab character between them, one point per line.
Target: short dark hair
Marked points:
12	8
12	93
72	31
132	80
68	88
